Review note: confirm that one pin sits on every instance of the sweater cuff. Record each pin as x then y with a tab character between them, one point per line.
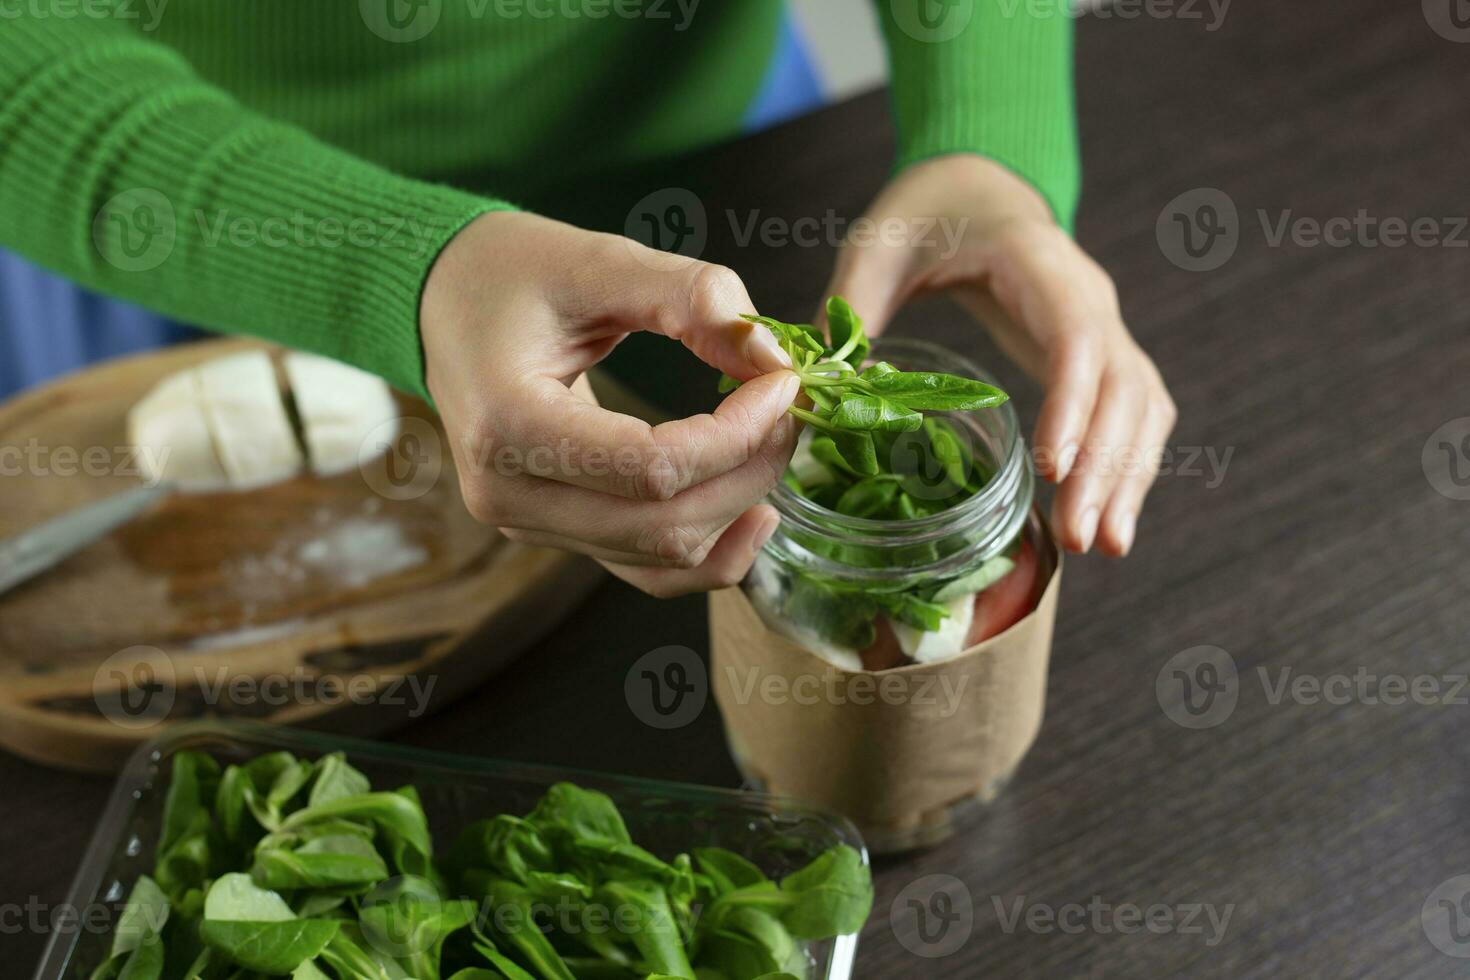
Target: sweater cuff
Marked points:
989	78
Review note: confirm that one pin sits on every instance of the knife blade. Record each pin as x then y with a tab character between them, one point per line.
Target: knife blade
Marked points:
48	544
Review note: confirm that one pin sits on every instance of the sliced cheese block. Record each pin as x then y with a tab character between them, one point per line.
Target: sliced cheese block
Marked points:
930	646
173	439
247	416
340	409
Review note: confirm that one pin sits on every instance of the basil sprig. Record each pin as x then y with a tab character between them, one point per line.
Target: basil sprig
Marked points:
876	454
850	402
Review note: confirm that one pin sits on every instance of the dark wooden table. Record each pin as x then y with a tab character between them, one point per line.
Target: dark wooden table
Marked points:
1323	827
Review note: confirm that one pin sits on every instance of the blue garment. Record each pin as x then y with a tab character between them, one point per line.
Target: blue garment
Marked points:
50	326
791	87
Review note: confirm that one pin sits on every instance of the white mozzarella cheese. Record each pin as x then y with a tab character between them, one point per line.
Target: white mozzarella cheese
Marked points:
247	417
945	643
341	409
172	437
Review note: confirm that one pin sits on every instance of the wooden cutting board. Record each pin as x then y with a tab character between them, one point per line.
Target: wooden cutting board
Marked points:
352	603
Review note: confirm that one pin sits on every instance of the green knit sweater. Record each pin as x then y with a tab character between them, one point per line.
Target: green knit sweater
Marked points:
276	167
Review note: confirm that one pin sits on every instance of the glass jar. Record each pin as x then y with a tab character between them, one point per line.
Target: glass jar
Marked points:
803	581
812	709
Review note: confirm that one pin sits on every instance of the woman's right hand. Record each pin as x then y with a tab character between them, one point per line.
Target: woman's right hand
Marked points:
516	309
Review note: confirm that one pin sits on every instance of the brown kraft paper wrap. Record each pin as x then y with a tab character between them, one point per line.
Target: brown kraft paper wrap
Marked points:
892	750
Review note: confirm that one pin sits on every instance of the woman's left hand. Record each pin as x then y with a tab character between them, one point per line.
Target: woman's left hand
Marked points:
967	226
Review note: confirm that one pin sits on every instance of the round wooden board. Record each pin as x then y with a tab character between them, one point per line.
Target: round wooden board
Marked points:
345	603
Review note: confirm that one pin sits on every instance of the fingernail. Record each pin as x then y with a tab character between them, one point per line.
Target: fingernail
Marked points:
766	530
1066	458
1087	528
765	354
1123	529
790	388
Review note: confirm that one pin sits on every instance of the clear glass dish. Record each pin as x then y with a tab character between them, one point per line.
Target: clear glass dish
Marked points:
777	835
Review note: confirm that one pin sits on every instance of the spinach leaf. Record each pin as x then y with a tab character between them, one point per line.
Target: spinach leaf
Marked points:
976	580
833	895
142	918
654	931
932	391
846	327
866	412
341	861
336	779
868	497
581	814
257	929
910	610
856	450
726	869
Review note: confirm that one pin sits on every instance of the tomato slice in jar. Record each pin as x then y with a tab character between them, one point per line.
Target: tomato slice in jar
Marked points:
1008	601
884	652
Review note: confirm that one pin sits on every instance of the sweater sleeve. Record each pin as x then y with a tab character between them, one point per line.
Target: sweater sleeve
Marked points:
124	171
992	77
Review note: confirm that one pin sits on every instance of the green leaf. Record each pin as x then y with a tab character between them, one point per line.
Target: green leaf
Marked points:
798	335
843	618
868	497
951	452
142	918
256	929
511	847
728	384
912	611
857	451
341	861
582	814
191	788
976	580
397	815
515	920
336	779
872	412
144	963
848	341
932	391
654	930
727	869
877	370
501	962
833	895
